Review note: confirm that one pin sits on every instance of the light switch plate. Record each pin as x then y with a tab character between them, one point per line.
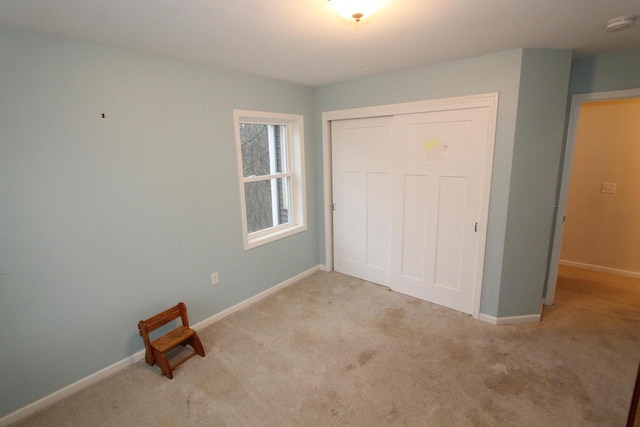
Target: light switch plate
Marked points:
608	188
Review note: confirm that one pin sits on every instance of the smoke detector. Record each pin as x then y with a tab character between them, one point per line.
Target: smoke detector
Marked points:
620	23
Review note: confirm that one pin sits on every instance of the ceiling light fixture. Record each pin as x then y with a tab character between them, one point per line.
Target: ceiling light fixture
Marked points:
356	9
620	23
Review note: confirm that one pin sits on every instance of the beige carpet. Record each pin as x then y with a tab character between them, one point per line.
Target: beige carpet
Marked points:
332	350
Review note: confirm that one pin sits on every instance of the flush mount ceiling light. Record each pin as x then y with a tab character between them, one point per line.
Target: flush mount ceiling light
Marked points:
356	9
620	23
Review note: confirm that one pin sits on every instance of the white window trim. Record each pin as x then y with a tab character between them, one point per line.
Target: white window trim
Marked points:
295	154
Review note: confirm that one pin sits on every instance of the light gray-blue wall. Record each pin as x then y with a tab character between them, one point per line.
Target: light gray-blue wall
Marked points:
600	73
532	86
104	222
540	122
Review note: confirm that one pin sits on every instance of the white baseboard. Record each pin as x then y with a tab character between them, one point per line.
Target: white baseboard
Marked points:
136	357
70	389
600	268
529	318
254	299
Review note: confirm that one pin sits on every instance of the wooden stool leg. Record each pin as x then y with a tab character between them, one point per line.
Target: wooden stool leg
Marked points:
194	341
163	363
148	357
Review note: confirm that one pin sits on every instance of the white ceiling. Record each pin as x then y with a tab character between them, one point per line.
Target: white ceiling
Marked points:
305	41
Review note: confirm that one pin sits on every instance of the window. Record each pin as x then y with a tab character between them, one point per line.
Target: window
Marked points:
271	169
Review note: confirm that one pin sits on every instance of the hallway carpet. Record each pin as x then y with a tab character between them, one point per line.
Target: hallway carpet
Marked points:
332	350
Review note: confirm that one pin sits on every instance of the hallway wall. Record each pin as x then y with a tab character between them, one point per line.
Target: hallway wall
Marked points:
602	229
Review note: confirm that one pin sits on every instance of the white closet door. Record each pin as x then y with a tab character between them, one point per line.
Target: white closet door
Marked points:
361	160
438	164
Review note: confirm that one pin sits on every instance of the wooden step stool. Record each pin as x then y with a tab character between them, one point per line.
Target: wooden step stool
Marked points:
156	350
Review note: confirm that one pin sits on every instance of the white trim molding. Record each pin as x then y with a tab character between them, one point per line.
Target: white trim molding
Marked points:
77	386
600	268
509	320
70	389
254	299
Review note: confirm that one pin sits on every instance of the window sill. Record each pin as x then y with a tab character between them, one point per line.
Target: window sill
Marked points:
271	235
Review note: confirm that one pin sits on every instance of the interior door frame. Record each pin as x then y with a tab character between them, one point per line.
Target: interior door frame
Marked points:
565	181
488	100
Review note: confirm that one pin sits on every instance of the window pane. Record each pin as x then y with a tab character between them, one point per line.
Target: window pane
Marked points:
264	150
268	203
281	149
284	200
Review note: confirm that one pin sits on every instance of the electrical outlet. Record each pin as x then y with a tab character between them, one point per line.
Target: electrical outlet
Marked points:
214	279
608	188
